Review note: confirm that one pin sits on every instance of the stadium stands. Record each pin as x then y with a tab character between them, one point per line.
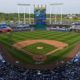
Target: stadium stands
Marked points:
20	27
76	26
68	71
4	28
59	27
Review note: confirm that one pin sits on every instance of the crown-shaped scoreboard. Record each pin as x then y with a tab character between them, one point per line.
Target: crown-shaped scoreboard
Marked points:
40	17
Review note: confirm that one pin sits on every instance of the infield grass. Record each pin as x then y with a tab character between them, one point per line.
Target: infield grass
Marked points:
34	48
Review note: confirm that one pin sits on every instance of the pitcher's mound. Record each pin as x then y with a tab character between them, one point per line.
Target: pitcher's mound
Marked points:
39	47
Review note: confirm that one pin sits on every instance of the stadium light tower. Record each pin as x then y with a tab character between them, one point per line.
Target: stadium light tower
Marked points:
18	15
55	4
24	8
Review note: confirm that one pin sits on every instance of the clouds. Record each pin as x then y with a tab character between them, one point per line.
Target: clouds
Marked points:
70	6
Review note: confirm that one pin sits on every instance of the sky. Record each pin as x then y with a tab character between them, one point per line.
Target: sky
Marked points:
69	6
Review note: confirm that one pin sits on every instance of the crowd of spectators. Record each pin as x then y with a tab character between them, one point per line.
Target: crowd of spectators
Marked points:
68	71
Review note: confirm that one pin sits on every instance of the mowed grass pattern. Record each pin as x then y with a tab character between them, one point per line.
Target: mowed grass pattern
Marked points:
33	48
71	38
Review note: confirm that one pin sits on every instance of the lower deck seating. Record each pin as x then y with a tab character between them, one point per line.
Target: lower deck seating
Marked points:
68	71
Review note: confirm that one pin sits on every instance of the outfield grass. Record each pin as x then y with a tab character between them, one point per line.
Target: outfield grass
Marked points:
70	38
45	48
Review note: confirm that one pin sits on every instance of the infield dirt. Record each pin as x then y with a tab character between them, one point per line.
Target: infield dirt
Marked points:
59	45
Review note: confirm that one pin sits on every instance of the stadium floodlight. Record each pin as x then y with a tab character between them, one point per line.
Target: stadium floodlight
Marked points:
55	4
24	5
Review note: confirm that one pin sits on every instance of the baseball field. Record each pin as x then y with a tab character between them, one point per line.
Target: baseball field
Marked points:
53	44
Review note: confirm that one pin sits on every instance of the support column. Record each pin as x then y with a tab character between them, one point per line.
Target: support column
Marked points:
24	16
29	16
50	14
18	15
61	17
55	16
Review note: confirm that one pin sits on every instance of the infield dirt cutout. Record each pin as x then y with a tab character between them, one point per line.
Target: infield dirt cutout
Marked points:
12	60
40	58
59	45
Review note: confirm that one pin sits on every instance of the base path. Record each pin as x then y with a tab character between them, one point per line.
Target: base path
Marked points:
59	45
8	57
